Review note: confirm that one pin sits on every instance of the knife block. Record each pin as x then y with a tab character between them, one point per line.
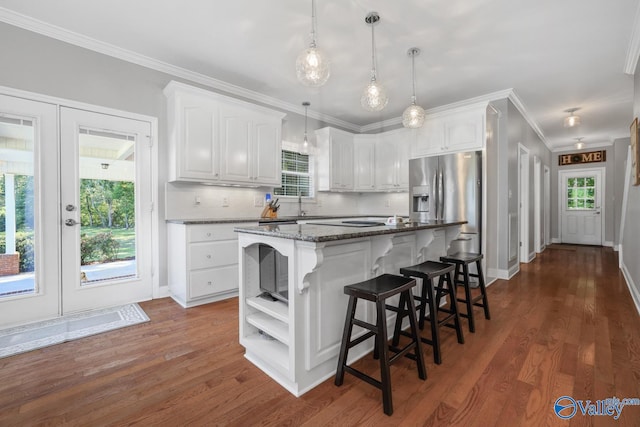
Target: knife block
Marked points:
268	212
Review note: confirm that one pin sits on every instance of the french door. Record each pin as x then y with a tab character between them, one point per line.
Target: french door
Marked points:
77	199
105	191
581	206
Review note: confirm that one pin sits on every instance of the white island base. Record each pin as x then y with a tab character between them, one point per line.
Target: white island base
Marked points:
297	344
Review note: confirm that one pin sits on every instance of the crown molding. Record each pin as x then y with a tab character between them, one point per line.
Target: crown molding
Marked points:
58	33
633	51
515	99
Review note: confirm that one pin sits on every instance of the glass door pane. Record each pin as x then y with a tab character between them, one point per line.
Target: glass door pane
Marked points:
17	226
107	206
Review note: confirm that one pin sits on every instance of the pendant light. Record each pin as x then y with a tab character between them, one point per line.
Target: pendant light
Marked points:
413	116
572	120
305	141
374	97
312	65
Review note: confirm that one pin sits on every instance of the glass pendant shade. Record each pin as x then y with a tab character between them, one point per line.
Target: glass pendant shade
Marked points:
413	116
374	97
312	64
305	140
312	67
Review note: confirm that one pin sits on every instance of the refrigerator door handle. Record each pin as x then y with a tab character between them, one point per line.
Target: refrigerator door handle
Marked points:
440	212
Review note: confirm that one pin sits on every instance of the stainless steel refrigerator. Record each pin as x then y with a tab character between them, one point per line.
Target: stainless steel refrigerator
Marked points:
449	187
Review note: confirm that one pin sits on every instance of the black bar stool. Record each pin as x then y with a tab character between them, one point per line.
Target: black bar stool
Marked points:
378	290
430	297
462	261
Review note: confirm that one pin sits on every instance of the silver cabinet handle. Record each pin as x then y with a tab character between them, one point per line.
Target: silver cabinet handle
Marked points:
71	222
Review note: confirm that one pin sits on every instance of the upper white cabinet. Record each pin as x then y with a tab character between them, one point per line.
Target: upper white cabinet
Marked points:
452	131
335	160
364	162
220	140
392	160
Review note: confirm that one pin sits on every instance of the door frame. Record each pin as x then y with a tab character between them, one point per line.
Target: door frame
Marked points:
523	202
537	205
603	182
547	206
153	140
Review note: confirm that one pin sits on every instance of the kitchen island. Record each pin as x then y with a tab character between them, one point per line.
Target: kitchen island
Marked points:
297	343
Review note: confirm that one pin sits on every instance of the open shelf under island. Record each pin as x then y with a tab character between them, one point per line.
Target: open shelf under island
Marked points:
297	342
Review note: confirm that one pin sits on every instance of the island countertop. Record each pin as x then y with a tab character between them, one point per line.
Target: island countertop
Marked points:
326	233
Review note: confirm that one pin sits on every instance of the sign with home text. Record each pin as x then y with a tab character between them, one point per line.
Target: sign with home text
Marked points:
578	158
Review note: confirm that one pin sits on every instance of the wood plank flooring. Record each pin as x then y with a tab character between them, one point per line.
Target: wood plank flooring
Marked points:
565	325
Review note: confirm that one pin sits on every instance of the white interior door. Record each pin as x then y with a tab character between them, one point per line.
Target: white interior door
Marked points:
106	203
523	180
30	274
581	206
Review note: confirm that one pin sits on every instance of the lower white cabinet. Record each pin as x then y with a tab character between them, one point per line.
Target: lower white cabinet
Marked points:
203	262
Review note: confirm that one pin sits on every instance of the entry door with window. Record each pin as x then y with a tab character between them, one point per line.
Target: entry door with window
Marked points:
581	203
106	210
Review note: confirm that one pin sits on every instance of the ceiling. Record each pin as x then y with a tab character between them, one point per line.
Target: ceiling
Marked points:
554	54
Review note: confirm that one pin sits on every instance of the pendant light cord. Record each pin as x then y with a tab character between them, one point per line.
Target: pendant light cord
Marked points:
413	76
373	54
313	23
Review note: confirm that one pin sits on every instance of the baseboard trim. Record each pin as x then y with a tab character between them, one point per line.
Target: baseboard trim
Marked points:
633	289
532	256
498	273
607	243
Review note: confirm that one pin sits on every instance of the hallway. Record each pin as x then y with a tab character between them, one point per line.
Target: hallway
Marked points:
565	325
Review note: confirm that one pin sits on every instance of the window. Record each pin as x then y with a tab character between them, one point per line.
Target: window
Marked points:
581	193
296	175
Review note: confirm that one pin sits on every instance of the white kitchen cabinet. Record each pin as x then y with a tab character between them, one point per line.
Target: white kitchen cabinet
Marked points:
451	131
250	147
392	160
202	262
216	139
364	163
193	134
335	160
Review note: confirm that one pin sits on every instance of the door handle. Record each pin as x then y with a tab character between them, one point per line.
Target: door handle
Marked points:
71	222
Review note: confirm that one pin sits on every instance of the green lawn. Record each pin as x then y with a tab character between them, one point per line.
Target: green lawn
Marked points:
126	239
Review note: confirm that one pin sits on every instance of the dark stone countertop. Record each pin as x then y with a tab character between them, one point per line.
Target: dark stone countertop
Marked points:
326	233
282	218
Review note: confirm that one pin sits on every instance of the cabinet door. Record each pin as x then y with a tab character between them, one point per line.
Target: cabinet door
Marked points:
430	138
266	151
364	165
235	145
403	148
341	163
385	165
197	139
464	131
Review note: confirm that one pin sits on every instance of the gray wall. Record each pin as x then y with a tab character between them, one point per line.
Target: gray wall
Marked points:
621	147
630	244
502	178
39	64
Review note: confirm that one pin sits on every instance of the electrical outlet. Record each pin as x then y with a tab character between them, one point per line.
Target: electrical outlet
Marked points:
225	202
387	203
197	200
258	201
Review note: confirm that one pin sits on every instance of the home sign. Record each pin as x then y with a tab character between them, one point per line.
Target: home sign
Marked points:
577	158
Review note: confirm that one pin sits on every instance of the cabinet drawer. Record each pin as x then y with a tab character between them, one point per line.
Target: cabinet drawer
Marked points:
209	232
213	254
212	281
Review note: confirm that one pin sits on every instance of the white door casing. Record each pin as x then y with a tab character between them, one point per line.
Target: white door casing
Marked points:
547	206
523	211
581	223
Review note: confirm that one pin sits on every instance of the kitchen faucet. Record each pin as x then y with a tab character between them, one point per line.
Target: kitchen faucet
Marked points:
300	211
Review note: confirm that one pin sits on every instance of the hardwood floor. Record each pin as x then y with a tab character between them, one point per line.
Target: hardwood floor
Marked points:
565	325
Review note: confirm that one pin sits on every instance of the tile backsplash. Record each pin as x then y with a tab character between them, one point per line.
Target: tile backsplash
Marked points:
198	201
